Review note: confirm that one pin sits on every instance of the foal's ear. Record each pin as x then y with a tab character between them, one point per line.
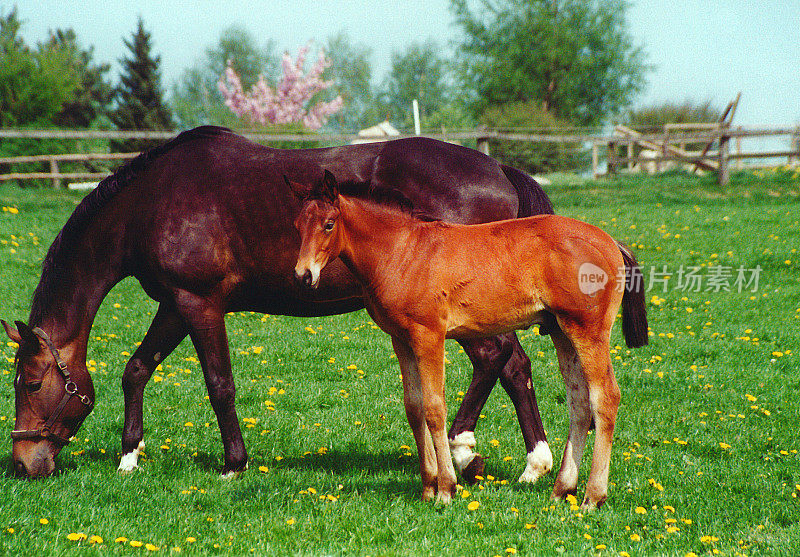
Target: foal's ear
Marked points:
328	189
302	191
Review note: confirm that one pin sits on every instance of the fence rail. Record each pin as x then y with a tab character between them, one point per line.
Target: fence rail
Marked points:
663	146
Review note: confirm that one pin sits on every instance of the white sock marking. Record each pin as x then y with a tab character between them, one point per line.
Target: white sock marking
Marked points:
130	462
540	462
461	449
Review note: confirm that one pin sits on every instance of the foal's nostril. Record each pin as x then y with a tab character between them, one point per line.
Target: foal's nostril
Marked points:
304	279
19	466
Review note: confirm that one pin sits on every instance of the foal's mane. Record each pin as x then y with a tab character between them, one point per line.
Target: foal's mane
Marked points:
88	208
386	197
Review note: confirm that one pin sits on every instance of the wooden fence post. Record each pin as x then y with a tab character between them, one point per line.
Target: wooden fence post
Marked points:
723	174
54	170
612	158
595	160
483	145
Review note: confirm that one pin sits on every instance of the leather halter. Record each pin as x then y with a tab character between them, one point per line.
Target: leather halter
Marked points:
70	390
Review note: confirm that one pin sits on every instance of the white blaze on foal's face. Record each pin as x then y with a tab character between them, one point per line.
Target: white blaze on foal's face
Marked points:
320	238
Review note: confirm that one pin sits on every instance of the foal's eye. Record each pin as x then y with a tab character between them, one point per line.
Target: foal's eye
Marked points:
329	225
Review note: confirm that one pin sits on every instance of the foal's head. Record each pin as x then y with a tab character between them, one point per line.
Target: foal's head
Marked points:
320	231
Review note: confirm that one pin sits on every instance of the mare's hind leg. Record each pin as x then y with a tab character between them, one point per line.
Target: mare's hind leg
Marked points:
580	416
165	333
492	358
206	321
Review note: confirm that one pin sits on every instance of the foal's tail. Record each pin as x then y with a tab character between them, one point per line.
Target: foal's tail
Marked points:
634	309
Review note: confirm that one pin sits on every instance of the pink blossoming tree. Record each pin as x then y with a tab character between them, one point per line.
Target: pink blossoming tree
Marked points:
289	101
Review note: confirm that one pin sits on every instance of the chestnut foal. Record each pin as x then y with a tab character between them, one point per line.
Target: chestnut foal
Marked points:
428	281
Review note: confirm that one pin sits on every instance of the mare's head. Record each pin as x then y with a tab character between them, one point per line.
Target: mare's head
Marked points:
319	228
51	403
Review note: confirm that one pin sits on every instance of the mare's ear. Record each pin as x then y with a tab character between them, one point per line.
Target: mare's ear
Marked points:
328	189
302	191
21	334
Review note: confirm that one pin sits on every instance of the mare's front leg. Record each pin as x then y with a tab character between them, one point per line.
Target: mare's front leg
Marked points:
206	321
492	358
165	333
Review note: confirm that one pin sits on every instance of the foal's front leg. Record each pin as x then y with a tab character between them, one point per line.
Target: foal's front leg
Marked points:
412	399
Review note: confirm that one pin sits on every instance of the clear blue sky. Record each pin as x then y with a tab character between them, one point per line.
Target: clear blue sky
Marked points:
701	49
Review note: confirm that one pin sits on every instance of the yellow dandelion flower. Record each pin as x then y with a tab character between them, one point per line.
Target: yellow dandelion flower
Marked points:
465	494
44	521
290	521
263	469
136	543
151	547
121	539
636	538
511	550
494	443
473	506
724	446
96	539
640	510
191	539
76	536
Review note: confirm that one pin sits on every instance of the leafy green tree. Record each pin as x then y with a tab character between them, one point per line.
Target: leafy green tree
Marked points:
533	158
93	94
421	73
351	71
574	57
140	103
34	84
196	98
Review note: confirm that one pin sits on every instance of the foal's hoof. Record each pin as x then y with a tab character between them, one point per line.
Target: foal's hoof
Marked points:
474	469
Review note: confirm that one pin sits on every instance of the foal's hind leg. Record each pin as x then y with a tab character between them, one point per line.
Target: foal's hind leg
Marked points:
492	358
580	417
604	397
166	332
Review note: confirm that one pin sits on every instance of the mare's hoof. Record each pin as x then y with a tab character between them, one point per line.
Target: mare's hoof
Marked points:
473	469
233	474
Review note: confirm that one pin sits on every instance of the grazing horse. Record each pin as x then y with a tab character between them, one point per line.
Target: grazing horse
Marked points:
204	223
427	281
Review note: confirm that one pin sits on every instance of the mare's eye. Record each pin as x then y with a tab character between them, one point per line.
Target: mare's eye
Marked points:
329	225
33	386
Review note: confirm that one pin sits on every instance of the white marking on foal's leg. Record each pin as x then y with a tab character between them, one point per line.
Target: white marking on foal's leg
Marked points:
540	462
130	462
461	449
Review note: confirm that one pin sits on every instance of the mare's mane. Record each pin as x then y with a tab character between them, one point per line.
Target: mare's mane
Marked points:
88	208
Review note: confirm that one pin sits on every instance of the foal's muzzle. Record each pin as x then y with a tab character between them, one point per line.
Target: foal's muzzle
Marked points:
306	280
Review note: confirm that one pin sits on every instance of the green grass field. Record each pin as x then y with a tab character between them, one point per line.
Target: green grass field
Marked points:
705	458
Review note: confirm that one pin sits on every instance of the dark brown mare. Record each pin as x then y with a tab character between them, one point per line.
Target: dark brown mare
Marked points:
427	281
204	223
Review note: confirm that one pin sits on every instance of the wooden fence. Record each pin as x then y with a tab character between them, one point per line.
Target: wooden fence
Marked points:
665	146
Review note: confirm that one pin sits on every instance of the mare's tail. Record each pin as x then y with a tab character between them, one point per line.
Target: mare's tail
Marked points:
634	309
532	199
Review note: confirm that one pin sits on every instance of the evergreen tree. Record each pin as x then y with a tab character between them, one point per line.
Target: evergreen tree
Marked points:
140	103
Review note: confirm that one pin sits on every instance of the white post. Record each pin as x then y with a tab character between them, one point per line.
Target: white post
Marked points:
415	108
